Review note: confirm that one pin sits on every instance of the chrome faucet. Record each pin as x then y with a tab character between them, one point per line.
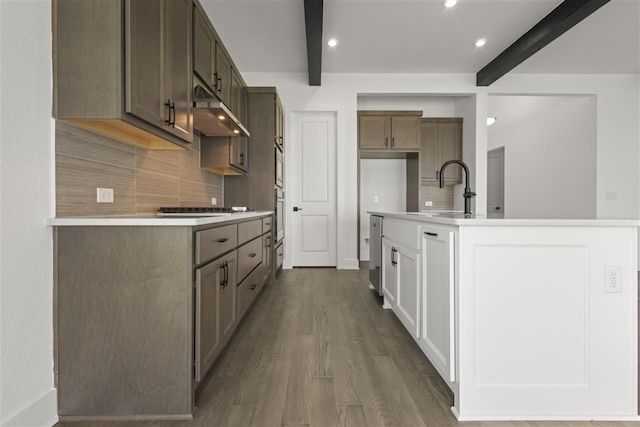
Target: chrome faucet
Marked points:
468	194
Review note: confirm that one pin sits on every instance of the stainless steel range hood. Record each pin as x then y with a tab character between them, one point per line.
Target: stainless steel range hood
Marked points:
212	118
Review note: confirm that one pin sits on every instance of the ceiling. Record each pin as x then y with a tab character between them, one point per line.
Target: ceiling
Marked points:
410	36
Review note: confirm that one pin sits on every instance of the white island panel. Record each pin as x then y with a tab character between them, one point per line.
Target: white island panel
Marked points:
539	336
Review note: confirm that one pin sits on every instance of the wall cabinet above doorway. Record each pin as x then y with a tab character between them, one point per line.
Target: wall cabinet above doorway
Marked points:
389	130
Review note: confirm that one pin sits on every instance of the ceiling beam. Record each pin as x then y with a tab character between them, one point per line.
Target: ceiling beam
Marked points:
313	23
552	26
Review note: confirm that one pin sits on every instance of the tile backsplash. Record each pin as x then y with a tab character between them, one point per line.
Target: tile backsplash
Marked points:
442	199
142	180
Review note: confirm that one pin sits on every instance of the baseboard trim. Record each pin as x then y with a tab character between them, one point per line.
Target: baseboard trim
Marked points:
349	264
43	412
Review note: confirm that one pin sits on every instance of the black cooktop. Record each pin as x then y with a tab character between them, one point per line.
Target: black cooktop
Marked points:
199	211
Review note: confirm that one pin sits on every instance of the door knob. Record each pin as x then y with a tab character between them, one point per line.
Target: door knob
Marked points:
296	209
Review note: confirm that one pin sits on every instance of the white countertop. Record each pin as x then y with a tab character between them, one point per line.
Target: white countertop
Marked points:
459	219
153	220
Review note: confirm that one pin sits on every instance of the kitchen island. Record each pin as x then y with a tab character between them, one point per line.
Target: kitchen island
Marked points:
143	306
523	319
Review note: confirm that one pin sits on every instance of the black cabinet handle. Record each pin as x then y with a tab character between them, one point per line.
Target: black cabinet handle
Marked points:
218	82
168	105
224	239
431	234
393	257
252	255
173	109
296	209
226	274
223	267
386	141
242	159
393	141
253	287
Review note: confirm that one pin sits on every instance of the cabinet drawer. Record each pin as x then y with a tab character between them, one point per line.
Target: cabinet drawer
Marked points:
402	232
266	224
248	290
249	256
249	230
215	241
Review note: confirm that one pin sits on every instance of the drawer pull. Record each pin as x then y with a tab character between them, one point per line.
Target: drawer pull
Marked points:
252	255
253	287
224	239
431	234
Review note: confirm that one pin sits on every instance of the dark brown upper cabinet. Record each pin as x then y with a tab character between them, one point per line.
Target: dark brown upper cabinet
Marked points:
441	141
122	68
389	130
204	48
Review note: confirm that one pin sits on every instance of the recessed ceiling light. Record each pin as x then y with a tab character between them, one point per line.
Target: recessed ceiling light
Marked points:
480	42
490	121
332	42
450	3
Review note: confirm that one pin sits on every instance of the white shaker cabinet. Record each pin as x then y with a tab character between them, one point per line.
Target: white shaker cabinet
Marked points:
437	338
401	272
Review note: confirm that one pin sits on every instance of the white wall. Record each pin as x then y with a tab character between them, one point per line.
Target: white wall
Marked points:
385	179
617	132
431	106
27	396
542	136
616	122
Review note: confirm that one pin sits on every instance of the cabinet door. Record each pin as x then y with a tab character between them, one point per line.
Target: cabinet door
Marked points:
144	53
223	75
374	132
437	337
405	131
450	148
158	73
238	97
239	156
408	302
209	281
429	151
204	48
440	142
178	63
390	272
267	257
279	123
228	301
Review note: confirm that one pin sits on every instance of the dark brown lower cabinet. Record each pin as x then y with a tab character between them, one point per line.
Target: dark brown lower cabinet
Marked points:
216	313
142	313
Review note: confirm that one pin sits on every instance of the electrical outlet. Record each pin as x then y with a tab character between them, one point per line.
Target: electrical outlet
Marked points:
375	199
105	195
613	279
214	200
428	203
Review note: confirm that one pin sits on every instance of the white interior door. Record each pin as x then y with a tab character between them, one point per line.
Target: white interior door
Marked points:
312	190
495	183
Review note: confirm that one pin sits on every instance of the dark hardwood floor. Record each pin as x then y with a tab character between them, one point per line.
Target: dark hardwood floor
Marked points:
316	349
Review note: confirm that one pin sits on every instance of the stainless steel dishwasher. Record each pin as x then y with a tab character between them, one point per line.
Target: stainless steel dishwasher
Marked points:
375	253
